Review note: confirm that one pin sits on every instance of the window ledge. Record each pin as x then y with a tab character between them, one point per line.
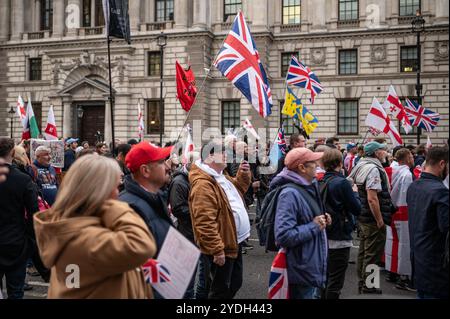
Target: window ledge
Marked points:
348	24
157	26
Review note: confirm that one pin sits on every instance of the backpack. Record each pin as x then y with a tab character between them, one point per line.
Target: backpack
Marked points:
347	221
266	225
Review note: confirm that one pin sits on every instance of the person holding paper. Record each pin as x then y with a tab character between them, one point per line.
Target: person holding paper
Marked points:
219	219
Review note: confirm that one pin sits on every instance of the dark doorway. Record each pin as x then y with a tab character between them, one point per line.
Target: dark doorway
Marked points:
91	119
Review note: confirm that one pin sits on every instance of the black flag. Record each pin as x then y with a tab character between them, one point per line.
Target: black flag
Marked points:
117	21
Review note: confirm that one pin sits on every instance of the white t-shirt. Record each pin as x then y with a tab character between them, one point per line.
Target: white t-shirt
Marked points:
234	199
373	180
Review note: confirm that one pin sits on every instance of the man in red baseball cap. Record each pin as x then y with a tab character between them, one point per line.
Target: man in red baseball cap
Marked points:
149	173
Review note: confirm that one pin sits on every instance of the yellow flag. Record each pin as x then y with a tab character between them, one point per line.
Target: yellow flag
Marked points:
290	104
309	121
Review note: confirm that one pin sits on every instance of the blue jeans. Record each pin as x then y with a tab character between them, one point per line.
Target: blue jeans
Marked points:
15	280
303	292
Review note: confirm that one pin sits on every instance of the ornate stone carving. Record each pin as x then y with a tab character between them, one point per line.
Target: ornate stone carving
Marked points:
318	56
441	51
88	60
378	53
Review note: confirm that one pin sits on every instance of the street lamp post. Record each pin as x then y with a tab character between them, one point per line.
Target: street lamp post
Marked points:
418	26
11	113
162	42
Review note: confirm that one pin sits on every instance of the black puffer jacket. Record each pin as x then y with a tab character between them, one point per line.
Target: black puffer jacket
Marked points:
179	201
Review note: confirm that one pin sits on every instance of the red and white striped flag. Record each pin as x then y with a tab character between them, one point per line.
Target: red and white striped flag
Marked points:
50	131
429	145
249	128
140	123
188	146
378	119
393	105
21	112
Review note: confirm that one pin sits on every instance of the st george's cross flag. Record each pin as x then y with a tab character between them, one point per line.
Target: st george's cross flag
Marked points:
393	106
247	125
378	119
141	127
188	146
239	61
397	250
278	280
50	131
21	112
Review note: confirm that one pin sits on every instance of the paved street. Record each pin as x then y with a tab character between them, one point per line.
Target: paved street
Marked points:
256	274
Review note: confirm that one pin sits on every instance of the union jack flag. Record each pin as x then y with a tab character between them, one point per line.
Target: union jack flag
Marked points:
278	280
420	116
238	60
155	272
301	76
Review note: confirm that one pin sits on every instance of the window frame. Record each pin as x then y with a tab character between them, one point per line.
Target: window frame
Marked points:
284	68
339	61
167	16
412	6
351	11
225	4
338	132
402	64
147	114
149	59
289	129
236	110
32	72
86	13
283	22
46	12
98	14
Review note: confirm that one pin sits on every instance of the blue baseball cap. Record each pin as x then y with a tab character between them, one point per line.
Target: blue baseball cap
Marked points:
371	147
350	146
71	140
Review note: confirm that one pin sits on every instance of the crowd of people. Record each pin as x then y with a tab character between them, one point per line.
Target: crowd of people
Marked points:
109	213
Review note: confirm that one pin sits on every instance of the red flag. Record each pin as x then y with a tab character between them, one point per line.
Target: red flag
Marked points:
186	89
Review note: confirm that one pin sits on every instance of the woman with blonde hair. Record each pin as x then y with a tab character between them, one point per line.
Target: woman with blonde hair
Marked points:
91	241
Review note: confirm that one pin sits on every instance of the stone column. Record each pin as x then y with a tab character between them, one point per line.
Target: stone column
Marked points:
93	13
441	11
393	12
107	133
260	13
134	12
5	14
333	14
305	14
74	7
201	13
18	19
37	15
180	14
318	15
67	116
58	18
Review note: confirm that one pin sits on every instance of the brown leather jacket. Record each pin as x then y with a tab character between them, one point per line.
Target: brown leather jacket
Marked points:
212	217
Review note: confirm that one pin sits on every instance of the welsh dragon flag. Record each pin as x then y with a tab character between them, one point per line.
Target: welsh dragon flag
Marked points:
31	129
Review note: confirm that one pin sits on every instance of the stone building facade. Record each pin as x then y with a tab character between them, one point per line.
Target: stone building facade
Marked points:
54	51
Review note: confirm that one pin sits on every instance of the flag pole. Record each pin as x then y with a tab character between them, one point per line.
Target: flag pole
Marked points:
365	136
111	96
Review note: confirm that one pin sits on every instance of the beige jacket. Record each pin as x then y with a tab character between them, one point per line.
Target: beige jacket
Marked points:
108	250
